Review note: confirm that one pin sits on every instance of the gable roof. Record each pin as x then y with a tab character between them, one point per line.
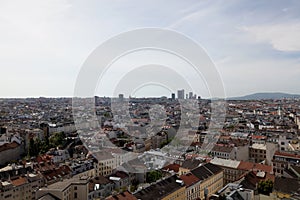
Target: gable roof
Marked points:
160	189
287	185
205	171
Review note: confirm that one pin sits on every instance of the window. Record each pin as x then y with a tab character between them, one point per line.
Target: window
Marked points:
75	195
75	188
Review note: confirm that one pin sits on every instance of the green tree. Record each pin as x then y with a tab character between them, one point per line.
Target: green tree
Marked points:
58	139
31	147
153	176
265	187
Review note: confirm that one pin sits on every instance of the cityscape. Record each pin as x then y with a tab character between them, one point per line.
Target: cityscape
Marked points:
149	100
42	156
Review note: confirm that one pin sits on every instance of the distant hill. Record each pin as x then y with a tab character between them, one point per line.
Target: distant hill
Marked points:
260	96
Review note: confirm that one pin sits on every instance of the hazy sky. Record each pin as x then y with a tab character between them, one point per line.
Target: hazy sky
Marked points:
254	44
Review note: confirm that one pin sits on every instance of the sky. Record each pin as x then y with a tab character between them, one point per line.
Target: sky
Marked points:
255	45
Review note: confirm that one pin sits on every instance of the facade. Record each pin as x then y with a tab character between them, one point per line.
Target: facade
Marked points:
211	179
173	96
22	187
180	94
78	167
105	164
69	189
221	151
257	153
241	153
59	155
282	160
230	167
192	184
120	179
10	151
100	187
171	188
262	152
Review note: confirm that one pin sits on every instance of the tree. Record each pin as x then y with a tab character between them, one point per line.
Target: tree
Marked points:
153	176
265	187
58	139
31	147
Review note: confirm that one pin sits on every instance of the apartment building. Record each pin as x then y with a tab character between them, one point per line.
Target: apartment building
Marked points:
69	189
282	160
105	164
211	178
192	184
171	188
222	151
21	187
262	152
230	167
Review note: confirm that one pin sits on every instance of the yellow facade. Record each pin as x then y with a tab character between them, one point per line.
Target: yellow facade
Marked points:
212	184
282	195
177	195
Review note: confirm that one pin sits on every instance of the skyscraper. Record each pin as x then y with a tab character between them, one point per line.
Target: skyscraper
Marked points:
121	97
173	96
190	95
180	94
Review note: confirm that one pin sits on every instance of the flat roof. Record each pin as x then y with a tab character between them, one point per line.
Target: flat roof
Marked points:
259	146
225	163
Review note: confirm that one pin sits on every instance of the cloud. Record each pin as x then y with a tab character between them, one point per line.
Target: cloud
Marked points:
282	37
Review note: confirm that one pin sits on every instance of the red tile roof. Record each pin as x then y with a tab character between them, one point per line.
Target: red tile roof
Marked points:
189	179
122	196
258	137
174	167
248	166
19	181
284	154
8	146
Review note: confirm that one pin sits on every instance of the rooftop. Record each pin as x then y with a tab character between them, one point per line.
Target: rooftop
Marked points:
62	185
225	163
189	179
159	189
8	146
191	164
122	196
205	171
221	148
259	146
254	166
287	185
